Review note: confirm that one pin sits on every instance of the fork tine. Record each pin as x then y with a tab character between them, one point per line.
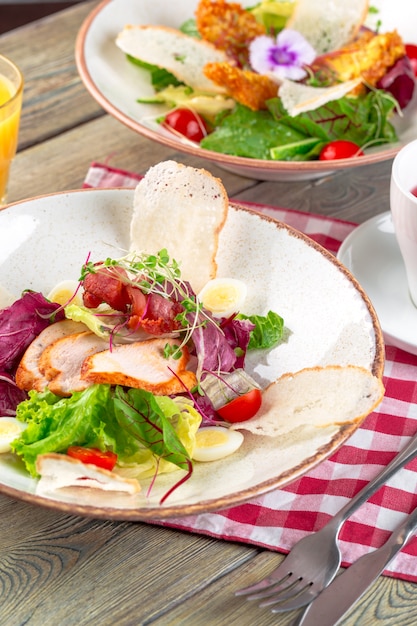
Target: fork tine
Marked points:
277	577
302	599
292	595
274	589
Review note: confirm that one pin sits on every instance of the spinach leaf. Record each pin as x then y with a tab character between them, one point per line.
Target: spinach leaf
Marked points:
249	133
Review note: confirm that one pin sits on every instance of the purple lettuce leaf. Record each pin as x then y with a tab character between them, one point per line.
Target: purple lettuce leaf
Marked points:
222	348
399	81
237	332
10	395
21	322
213	351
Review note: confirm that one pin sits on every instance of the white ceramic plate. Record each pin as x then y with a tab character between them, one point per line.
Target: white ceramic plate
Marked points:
372	254
116	84
327	316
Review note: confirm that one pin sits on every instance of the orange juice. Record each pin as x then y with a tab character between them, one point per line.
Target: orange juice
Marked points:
11	87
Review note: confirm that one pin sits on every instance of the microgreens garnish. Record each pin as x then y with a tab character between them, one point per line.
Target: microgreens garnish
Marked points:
157	274
172	351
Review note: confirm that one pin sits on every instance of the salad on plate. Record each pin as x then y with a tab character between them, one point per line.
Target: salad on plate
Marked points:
139	368
279	80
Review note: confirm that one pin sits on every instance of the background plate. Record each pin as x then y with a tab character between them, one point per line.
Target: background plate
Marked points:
372	254
116	84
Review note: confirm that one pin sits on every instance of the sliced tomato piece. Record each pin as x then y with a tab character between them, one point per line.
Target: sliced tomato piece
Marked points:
187	123
340	149
94	456
242	408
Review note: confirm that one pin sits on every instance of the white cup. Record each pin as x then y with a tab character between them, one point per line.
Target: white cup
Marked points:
404	210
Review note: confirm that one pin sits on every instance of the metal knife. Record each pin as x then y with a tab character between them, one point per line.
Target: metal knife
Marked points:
347	588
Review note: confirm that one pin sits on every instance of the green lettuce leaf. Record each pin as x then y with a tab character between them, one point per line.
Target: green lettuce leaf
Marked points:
189	27
268	330
97	417
85	419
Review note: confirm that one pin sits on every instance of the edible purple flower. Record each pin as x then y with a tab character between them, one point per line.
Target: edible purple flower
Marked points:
282	57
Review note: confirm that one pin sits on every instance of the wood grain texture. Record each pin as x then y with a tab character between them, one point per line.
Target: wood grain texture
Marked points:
66	570
62	162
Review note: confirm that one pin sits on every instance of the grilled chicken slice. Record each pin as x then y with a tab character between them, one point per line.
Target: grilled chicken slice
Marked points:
28	375
61	361
142	365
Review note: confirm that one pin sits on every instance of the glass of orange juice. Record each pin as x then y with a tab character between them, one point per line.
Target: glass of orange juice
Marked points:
11	92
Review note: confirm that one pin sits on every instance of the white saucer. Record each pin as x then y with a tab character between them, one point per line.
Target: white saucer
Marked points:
372	254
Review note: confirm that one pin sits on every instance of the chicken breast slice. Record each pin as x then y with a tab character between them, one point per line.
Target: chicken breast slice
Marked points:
61	361
28	375
141	365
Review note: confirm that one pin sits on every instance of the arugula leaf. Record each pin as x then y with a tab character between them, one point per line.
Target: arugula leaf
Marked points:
268	330
248	133
359	119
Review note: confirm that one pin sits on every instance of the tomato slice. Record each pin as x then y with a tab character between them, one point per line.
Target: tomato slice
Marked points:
187	123
340	149
242	408
411	51
94	456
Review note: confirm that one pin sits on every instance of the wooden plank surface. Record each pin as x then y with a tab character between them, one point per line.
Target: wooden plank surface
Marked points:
61	569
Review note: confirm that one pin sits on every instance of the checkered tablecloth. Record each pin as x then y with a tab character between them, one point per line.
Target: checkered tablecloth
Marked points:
280	518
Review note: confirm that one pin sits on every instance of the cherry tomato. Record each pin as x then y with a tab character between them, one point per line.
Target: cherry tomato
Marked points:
94	456
242	408
340	149
411	51
187	123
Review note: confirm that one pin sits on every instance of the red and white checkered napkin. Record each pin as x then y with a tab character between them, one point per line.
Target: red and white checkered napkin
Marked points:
279	519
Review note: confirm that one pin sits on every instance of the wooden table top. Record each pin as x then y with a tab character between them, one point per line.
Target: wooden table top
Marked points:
61	569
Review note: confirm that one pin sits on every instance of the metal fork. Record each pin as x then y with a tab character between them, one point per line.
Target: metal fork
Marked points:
314	561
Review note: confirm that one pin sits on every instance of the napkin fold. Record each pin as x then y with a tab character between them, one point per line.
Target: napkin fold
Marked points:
277	520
